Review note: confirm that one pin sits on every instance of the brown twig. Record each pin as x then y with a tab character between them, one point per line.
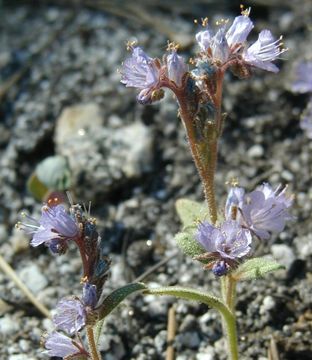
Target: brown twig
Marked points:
155	267
171	332
272	351
9	271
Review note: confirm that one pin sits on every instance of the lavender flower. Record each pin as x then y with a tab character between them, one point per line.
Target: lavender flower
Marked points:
265	50
263	211
223	43
142	72
55	226
176	67
303	77
306	120
61	345
71	315
229	47
225	245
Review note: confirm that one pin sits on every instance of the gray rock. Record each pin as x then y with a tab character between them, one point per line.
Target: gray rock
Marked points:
8	326
103	159
189	339
33	278
283	254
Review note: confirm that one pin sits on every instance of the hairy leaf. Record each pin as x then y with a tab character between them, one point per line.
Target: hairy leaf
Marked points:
188	244
193	295
255	268
190	212
112	301
116	297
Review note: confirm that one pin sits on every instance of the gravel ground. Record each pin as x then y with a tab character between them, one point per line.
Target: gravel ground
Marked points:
132	162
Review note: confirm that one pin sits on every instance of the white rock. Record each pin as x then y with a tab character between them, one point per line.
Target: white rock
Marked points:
206	354
32	277
283	254
74	120
8	326
256	151
20	357
267	305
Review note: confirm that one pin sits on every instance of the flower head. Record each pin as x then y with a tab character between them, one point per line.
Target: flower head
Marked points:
265	50
71	315
224	42
227	46
303	77
142	72
263	211
55	226
61	345
225	245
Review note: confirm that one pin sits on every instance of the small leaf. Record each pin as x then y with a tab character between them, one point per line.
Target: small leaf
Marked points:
255	268
190	212
37	188
188	244
193	295
116	297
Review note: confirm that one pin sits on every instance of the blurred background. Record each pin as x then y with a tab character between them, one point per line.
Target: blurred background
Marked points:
66	123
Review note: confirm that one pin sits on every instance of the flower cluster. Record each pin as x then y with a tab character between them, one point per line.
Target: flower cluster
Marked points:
261	212
72	314
303	85
56	228
220	50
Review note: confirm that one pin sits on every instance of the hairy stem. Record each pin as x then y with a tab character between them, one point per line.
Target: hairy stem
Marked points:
206	169
92	345
228	291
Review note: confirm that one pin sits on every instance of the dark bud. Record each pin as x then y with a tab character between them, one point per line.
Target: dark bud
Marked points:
220	268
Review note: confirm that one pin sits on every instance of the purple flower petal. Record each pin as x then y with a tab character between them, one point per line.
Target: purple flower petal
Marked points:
239	30
71	315
303	77
176	67
265	50
60	345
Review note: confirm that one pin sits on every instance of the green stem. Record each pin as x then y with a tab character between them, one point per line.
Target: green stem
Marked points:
228	291
92	345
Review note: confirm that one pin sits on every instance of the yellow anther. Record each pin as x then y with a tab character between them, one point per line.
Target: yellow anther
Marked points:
172	46
83	280
130	44
245	12
195	21
233	182
204	22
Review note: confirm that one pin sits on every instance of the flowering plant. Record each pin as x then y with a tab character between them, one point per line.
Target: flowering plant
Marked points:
222	239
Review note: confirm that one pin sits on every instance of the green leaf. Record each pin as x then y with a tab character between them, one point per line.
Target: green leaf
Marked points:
38	190
188	244
255	268
116	297
112	301
193	295
190	212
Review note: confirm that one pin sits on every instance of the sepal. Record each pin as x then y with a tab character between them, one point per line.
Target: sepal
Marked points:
255	268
